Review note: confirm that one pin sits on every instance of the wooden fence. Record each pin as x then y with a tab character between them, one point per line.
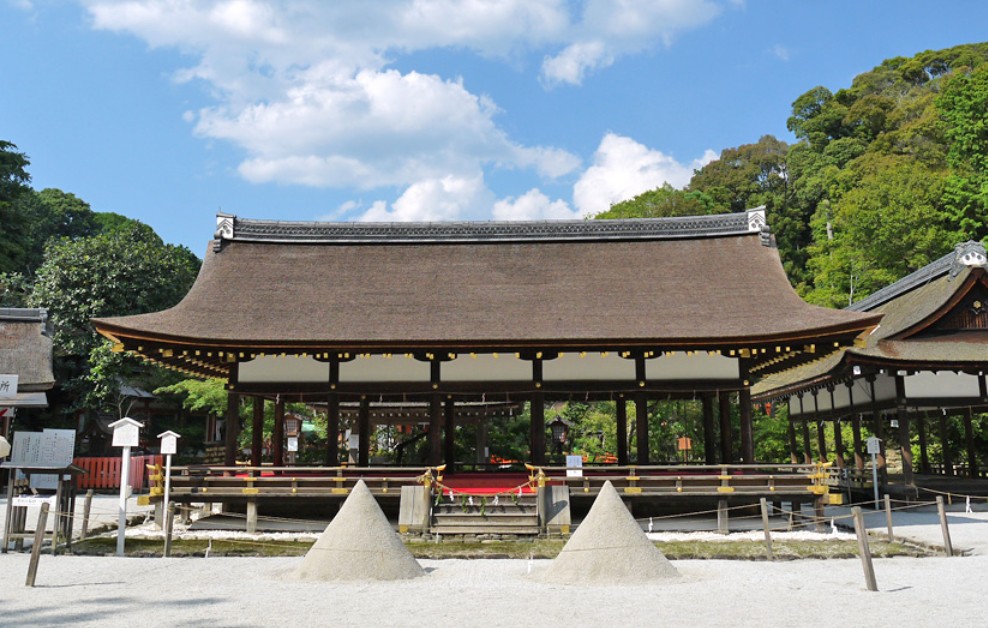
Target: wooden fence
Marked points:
104	473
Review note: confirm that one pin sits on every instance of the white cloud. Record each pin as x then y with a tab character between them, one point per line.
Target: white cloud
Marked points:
780	51
431	200
608	29
623	168
533	205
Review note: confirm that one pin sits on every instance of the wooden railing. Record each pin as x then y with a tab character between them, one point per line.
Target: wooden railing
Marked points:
696	480
204	484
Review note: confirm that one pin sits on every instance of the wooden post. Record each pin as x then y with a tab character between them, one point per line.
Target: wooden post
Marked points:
621	416
747	424
723	522
838	445
251	515
905	448
257	432
278	434
537	434
948	547
709	451
232	428
333	429
726	432
858	445
888	518
947	460
363	432
972	460
924	454
86	509
39	537
863	550
821	441
169	523
449	434
807	451
768	531
435	430
641	427
793	446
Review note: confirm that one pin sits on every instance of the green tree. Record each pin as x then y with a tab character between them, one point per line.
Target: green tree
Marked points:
14	180
964	107
662	202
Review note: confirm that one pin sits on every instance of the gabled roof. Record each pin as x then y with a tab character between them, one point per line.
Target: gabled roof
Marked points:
709	282
919	325
26	348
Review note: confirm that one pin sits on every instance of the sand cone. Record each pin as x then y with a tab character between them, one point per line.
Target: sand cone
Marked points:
359	544
609	547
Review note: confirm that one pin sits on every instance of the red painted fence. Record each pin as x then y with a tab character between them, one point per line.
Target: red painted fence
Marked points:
104	473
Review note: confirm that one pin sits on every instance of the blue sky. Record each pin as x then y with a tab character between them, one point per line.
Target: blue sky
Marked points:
173	110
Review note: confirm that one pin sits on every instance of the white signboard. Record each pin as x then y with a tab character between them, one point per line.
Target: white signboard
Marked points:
126	433
169	443
34	500
874	445
354	441
574	466
293	443
49	448
8	386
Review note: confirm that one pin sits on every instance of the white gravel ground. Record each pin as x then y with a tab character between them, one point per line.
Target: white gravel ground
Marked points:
88	591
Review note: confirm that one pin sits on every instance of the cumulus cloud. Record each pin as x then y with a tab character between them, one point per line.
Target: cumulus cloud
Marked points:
624	168
607	29
533	205
432	200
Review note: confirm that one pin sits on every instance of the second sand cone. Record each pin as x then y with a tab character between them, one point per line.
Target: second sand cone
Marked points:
609	547
359	544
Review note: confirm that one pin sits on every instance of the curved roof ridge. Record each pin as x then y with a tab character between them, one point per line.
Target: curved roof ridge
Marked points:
232	228
965	254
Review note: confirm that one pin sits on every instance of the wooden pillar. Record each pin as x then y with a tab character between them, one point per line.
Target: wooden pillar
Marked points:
972	460
333	429
435	430
747	424
947	459
838	445
278	434
232	428
807	451
537	434
449	433
641	427
363	432
821	441
480	452
879	432
709	452
793	446
858	445
726	433
905	447
257	432
924	452
621	417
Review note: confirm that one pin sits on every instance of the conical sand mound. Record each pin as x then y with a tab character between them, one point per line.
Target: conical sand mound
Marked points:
608	548
359	544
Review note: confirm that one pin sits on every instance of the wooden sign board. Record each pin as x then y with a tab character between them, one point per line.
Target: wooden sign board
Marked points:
126	432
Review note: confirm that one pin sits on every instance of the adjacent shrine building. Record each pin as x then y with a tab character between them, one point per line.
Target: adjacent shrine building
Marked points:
453	313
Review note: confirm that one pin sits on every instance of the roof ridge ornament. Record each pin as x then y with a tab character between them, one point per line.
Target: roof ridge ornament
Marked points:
224	230
969	253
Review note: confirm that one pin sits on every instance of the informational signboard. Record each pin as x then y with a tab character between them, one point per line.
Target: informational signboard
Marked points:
293	443
874	445
48	448
169	443
8	386
34	500
574	466
126	433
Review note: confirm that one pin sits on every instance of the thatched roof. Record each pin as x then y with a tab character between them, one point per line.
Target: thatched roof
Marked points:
25	348
703	283
935	318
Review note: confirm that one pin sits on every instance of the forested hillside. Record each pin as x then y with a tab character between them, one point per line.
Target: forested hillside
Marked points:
886	175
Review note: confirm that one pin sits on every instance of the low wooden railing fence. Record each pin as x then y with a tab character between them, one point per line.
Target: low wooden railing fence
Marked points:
104	472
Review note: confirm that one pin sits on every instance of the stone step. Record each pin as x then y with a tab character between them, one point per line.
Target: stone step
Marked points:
462	519
502	530
477	509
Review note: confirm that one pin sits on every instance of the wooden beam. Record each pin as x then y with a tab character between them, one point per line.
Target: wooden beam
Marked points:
905	448
924	452
838	445
232	428
278	434
947	459
726	432
435	429
641	427
793	447
537	433
257	432
858	444
333	429
621	417
363	433
709	452
972	460
449	433
747	426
